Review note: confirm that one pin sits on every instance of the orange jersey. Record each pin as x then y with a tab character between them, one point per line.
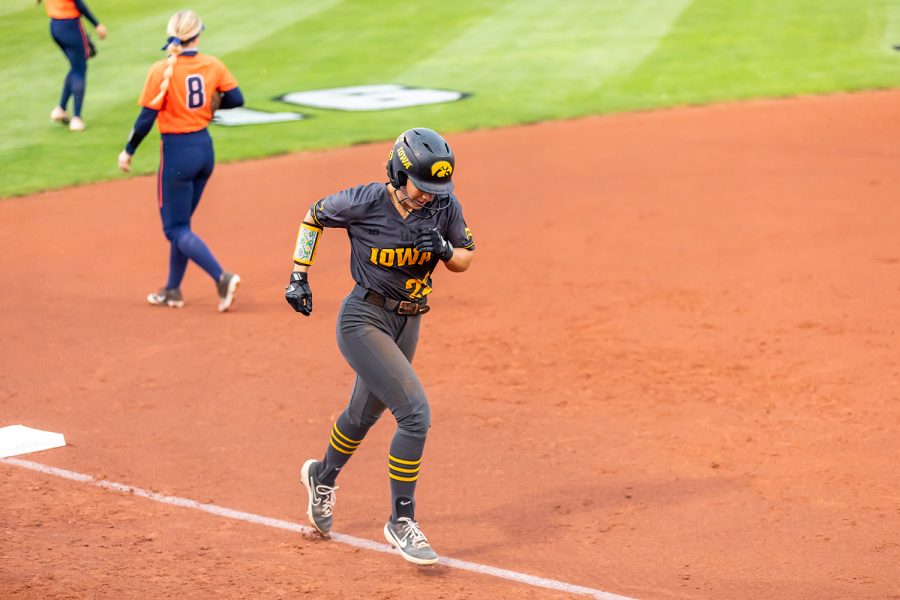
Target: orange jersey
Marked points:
186	105
61	9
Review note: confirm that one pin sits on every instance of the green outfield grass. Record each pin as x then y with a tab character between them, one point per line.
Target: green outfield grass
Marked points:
521	61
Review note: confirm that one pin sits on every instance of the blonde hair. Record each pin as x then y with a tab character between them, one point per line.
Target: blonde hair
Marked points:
184	26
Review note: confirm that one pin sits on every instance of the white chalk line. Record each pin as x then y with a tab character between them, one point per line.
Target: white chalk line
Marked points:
340	538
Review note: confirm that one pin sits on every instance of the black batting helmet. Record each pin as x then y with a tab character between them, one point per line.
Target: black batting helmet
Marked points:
424	157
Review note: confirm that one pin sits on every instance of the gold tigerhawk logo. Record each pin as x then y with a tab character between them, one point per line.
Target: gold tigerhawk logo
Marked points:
442	169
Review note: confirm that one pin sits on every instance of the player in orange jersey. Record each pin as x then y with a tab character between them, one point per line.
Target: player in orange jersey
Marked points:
69	34
179	95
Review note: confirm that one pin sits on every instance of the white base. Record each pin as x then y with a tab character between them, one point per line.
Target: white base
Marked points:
18	439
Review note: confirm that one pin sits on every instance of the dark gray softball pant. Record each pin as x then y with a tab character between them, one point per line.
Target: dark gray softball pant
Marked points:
379	345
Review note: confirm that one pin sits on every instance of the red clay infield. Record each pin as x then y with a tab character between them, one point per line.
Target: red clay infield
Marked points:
672	371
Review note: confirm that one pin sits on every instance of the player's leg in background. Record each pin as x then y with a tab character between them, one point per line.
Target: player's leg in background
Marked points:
60	35
67	33
175	214
78	57
178	261
184	164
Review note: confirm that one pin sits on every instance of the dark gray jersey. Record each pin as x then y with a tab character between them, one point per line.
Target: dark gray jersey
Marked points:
383	257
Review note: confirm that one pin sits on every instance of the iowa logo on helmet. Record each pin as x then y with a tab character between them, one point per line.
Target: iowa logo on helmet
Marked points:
442	169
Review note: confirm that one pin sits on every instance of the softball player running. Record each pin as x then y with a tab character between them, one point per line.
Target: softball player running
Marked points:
399	232
180	91
69	34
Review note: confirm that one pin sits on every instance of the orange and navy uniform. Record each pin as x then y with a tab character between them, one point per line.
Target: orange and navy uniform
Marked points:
187	157
69	34
186	107
68	9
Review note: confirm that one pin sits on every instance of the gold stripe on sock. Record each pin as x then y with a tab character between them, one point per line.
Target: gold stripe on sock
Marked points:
401	470
404	462
342	446
341	450
344	438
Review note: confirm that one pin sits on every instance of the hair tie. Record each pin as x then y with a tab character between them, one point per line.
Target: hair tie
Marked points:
172	40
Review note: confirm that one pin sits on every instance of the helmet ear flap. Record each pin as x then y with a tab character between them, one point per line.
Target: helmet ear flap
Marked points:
396	176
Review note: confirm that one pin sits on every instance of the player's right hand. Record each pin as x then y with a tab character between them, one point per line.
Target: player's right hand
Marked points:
101	31
124	161
298	294
430	240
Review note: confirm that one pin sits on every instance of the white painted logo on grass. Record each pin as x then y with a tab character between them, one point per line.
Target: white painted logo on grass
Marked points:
371	97
231	117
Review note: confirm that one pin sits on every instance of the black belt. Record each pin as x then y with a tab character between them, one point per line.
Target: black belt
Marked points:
401	307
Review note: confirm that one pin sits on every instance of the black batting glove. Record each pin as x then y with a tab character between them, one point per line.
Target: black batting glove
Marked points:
298	294
430	240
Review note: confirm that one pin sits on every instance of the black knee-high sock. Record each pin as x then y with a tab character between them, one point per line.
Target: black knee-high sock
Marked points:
403	467
345	439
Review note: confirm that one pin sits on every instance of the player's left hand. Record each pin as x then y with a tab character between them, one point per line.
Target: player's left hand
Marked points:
431	240
101	31
124	161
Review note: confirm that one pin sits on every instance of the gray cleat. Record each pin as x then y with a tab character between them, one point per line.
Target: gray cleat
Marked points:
404	535
165	297
321	497
227	287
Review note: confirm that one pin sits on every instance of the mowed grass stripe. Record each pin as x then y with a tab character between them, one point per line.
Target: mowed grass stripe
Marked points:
766	48
891	30
558	44
583	43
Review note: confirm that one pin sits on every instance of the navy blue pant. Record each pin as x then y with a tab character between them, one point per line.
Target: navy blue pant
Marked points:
185	166
70	36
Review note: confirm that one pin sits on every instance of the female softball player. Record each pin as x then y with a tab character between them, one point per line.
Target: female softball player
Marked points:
69	34
183	91
399	232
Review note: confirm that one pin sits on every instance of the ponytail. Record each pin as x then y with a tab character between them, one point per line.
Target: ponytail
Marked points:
173	49
184	27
